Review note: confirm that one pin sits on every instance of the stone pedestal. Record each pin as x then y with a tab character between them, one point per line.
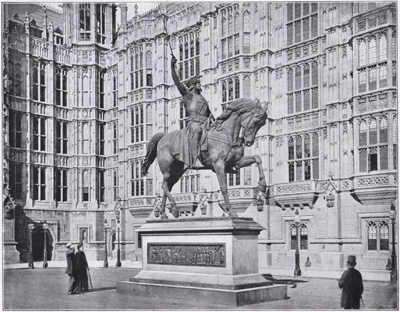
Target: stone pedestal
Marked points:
212	259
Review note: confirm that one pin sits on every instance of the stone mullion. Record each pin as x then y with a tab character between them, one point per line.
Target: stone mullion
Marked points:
93	22
390	125
356	131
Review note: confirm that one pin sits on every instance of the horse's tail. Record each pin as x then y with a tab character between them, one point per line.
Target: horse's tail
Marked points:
151	152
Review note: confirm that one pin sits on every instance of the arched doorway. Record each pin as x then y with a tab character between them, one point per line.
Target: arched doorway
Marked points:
112	250
38	245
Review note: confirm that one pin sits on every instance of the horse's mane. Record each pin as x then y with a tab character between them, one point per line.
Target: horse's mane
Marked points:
242	105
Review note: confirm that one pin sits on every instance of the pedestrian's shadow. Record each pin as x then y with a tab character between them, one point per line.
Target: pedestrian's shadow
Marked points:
101	289
282	281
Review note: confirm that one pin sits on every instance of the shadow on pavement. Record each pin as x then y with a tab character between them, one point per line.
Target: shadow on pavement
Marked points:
101	289
276	281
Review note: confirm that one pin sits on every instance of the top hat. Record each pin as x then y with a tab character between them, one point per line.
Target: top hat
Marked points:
351	260
69	244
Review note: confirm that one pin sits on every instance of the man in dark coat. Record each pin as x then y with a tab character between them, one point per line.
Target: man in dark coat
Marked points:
352	284
83	267
71	269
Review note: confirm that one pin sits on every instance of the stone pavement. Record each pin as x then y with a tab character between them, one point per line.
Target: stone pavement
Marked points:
45	289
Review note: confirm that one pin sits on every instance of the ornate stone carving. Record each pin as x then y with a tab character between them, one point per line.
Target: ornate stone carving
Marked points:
212	255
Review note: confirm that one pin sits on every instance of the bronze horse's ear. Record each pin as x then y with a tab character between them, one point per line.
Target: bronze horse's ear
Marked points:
265	107
258	104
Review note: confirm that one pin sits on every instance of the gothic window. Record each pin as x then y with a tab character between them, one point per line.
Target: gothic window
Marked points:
224	98
101	90
15	129
39	183
149	74
39	133
115	184
182	116
115	89
246	21
394	46
84	21
101	23
137	134
378	235
190	183
85	91
101	139
85	138
383	75
306	95
149	122
362	53
137	183
233	178
115	137
16	180
372	52
38	82
61	137
61	185
302	26
85	186
61	87
303	236
289	34
15	78
303	157
362	81
101	186
231	89
230	41
373	145
382	48
189	63
136	68
289	12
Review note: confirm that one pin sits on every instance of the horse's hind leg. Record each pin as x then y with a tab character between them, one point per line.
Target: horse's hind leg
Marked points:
178	171
169	179
163	202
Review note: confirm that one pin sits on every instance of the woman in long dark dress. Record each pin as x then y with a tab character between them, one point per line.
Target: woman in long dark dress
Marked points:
83	267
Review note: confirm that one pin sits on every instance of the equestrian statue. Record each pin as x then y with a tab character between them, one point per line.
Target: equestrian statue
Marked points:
206	143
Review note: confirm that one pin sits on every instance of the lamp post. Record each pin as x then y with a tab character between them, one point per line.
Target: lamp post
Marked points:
30	227
297	271
105	265
392	214
45	227
118	264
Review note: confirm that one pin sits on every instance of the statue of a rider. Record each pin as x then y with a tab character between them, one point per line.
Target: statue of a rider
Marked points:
198	112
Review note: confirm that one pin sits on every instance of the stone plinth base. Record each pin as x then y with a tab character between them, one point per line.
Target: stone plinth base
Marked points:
10	253
211	259
226	297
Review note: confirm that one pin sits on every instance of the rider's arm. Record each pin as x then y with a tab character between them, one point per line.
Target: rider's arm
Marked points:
182	89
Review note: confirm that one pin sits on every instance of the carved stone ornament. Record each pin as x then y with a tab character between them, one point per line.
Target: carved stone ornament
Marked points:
211	255
330	193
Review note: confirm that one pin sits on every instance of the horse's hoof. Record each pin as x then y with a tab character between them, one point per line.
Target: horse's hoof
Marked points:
233	214
164	217
175	212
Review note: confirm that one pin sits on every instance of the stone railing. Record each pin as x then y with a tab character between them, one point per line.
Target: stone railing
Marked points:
294	188
39	48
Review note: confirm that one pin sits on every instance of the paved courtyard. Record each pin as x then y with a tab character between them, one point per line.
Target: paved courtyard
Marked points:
40	289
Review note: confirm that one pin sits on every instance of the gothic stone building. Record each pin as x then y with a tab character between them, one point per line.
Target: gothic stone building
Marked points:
83	97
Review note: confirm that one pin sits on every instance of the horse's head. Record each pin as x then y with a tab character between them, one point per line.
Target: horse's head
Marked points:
252	121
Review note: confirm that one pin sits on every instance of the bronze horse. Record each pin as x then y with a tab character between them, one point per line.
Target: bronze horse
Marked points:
224	152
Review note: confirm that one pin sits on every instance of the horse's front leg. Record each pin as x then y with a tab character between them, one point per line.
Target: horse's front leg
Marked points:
262	185
219	168
166	188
